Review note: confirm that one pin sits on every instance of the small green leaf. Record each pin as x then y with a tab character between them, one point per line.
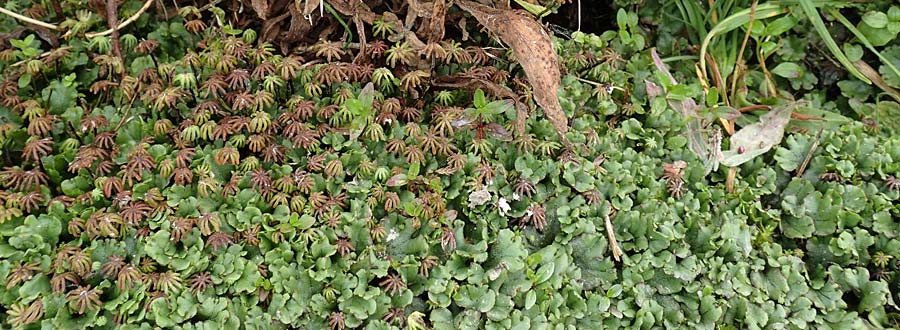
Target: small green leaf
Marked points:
788	70
854	52
536	10
798	227
614	291
302	222
486	301
61	94
875	19
544	272
413	170
73	116
530	299
24	80
781	25
479	99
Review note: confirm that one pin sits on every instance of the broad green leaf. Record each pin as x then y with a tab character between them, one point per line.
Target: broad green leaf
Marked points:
24	80
530	299
544	272
486	301
798	227
886	113
790	158
876	36
61	94
874	294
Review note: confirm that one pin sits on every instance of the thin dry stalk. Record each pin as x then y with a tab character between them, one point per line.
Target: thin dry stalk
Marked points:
809	154
613	243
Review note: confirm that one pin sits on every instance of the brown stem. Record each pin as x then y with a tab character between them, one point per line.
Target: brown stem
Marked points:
754	108
57	9
124	23
113	21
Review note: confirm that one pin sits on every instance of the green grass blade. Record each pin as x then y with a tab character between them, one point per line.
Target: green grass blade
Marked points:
813	15
341	21
862	39
735	21
693	18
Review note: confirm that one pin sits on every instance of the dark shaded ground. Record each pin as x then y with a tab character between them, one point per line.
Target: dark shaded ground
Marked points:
596	16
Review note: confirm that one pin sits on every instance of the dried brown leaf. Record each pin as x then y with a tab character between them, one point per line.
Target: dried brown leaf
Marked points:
397	180
310	6
261	7
533	48
362	11
411	13
298	29
272	27
361	31
613	243
876	78
436	26
498	131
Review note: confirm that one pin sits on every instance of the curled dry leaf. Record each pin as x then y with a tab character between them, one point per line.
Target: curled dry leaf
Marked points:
299	27
461	81
462	27
613	243
450	215
498	131
360	30
361	12
674	168
533	48
412	13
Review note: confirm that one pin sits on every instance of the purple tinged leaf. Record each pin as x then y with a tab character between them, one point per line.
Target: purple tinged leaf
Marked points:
758	138
397	180
462	122
498	131
662	66
653	90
